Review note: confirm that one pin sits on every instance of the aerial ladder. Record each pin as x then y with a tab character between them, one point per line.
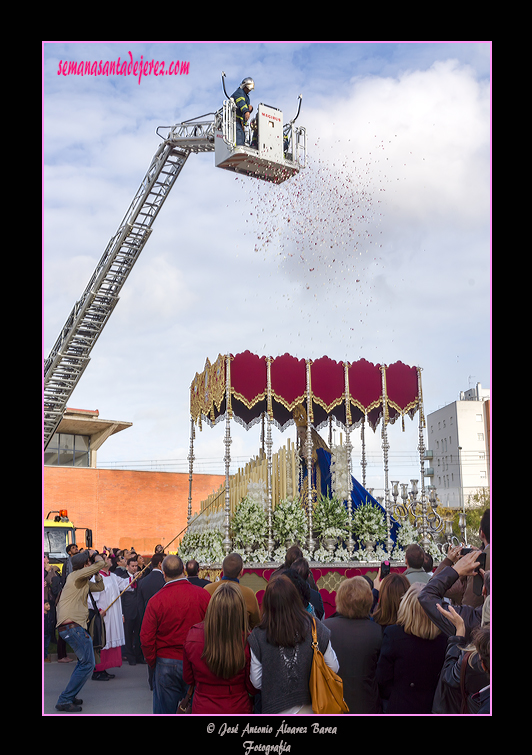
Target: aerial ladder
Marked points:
273	152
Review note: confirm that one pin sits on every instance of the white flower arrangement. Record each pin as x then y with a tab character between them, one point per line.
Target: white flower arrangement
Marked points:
249	524
378	554
342	554
289	522
335	533
330	518
257	493
407	535
258	556
207	521
204	547
324	556
249	528
279	553
369	523
338	555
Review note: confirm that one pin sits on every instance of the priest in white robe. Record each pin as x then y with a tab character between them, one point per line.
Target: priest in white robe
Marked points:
111	654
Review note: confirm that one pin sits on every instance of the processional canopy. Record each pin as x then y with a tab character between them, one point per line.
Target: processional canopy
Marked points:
248	386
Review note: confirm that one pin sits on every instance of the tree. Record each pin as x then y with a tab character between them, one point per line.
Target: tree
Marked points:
477	503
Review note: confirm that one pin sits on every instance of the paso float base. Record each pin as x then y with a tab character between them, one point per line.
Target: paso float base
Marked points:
327	577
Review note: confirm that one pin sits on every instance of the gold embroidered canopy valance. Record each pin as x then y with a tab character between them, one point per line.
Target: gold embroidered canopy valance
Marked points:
248	385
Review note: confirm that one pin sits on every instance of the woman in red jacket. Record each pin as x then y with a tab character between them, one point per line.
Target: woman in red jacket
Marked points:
216	657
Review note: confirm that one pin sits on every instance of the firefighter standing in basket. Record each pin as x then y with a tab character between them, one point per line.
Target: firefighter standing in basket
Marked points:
243	108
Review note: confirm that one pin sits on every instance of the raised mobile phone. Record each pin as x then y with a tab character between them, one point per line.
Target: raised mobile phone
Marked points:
478	579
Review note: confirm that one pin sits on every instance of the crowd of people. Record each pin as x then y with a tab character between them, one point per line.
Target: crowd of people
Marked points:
412	642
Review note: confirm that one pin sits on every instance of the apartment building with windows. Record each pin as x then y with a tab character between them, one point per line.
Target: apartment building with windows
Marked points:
458	443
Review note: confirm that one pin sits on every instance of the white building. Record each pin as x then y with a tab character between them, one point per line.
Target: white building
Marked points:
458	441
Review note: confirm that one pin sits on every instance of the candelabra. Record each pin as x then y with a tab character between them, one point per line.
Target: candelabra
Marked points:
434	520
462	522
399	510
422	510
448	529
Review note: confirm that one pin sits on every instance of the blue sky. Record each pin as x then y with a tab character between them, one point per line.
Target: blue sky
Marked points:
379	249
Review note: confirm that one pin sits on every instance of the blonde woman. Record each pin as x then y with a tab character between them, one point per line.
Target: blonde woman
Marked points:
216	656
411	658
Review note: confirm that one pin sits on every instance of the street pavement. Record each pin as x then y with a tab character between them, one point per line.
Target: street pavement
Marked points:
127	694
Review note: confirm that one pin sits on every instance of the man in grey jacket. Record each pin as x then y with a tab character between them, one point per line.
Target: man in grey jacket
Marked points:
72	619
414	558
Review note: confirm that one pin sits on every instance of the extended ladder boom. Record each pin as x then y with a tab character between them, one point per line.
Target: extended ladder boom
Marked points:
71	352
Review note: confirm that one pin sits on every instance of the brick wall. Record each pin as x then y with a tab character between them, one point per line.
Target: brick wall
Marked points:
125	508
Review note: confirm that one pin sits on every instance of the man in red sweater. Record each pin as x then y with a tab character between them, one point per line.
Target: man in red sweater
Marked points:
169	615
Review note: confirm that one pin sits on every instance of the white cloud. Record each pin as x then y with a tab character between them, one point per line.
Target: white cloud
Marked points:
424	137
160	295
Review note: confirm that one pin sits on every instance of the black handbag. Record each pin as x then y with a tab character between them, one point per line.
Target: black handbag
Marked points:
96	626
185	705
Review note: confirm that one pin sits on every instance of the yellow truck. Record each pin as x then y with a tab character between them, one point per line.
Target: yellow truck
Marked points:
59	532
